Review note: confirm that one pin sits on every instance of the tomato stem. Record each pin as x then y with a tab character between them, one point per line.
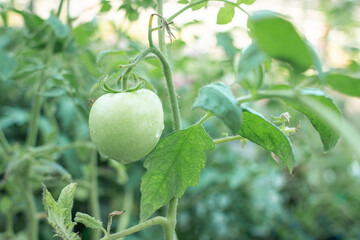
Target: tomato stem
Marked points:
161	35
33	127
204	118
130	66
4	142
94	193
33	225
171	88
164	222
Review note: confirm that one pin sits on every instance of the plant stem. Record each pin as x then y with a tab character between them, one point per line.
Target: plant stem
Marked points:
227	139
132	65
94	194
161	35
4	142
151	222
128	205
33	128
33	225
59	8
68	18
204	118
9	232
171	214
171	88
193	4
30	39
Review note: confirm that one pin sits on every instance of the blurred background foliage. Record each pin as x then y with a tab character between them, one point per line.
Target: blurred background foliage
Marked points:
49	72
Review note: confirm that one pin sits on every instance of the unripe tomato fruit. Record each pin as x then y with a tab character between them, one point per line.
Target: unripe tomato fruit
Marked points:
126	126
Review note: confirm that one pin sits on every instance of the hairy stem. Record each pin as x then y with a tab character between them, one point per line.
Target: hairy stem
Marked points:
161	35
171	88
171	214
33	225
130	66
193	4
4	142
9	229
94	194
151	222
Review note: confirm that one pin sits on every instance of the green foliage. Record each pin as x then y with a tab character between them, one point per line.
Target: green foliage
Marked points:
66	200
278	38
57	213
8	65
249	70
110	60
172	166
329	136
88	221
198	6
218	99
247	2
61	30
50	70
225	40
105	6
344	84
260	131
225	14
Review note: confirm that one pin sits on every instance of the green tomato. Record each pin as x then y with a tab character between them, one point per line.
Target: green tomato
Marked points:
126	126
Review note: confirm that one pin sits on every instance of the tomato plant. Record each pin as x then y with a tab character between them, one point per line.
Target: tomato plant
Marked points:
209	126
126	126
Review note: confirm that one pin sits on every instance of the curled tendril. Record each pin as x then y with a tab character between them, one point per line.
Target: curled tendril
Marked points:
140	85
104	87
166	25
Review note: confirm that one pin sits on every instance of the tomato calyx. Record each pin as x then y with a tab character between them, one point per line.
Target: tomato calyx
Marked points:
141	83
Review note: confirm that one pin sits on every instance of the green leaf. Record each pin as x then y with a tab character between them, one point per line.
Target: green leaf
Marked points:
56	217
198	6
88	221
225	14
249	69
344	84
183	1
110	60
66	200
27	70
54	92
278	38
7	66
61	30
329	136
218	99
247	2
260	131
172	166
225	40
83	33
105	6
